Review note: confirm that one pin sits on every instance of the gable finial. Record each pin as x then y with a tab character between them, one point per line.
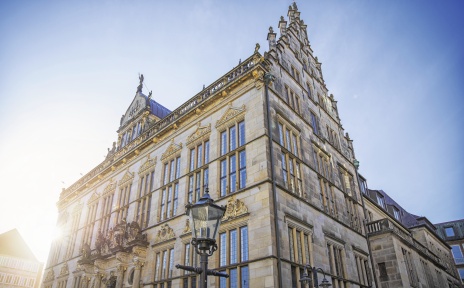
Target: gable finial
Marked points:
139	88
257	47
149	94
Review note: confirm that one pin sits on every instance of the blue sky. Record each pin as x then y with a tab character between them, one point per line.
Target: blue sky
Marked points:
69	70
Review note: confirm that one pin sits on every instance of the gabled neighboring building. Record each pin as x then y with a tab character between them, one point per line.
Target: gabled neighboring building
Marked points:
18	265
406	250
453	234
267	141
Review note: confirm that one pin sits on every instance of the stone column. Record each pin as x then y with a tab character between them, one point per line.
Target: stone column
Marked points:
120	276
137	273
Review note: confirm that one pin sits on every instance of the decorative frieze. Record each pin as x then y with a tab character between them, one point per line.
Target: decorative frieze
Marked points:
111	187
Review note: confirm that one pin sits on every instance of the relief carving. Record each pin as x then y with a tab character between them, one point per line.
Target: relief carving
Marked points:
165	233
128	177
187	228
149	164
111	187
64	270
201	133
235	208
171	151
232	115
121	236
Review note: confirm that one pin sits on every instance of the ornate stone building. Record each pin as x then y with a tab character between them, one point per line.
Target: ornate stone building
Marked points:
267	141
406	249
453	234
18	265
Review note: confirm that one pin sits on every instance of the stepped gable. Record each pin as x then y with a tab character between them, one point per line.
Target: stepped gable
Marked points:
12	244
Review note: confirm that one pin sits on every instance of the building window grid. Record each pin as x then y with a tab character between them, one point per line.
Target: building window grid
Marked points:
106	211
337	264
73	234
144	198
164	267
233	161
362	269
123	202
90	223
292	99
233	252
300	246
199	171
291	167
170	190
353	213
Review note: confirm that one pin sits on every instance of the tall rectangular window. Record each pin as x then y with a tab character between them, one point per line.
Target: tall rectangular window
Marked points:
199	171
164	266
233	165
233	253
315	123
413	281
144	198
300	247
170	190
337	264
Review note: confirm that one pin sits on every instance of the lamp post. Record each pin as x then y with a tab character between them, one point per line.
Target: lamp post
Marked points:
205	217
310	277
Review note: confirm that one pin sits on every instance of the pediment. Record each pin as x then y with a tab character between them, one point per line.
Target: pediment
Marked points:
128	177
138	104
95	196
111	187
233	115
172	151
202	133
64	271
148	165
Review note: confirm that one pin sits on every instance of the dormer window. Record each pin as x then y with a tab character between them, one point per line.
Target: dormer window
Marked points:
449	231
381	200
396	213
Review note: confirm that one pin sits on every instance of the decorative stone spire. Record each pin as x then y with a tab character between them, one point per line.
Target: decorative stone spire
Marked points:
271	37
282	26
291	14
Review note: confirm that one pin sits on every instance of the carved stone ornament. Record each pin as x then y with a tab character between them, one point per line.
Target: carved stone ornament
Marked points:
165	233
199	135
232	115
64	270
149	164
128	177
119	237
95	196
50	275
172	150
111	187
235	208
78	208
187	228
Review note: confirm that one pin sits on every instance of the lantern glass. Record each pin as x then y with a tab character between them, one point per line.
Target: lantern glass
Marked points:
205	217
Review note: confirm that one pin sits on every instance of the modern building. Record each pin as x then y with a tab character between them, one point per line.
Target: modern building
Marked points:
453	234
406	249
18	265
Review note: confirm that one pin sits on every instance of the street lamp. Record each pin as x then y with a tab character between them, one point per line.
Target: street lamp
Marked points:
310	276
205	217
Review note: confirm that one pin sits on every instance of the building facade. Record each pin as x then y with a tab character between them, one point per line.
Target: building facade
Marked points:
266	140
18	265
453	234
406	249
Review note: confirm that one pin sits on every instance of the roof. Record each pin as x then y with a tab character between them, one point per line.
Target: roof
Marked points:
157	109
12	244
